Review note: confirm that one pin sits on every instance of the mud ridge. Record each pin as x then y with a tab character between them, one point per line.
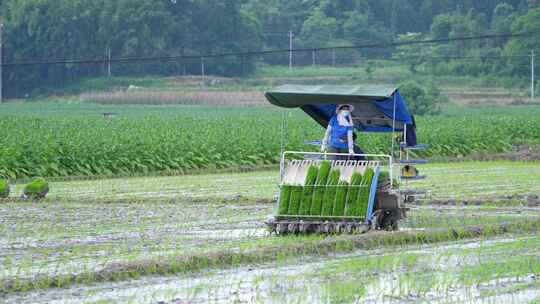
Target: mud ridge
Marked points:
531	200
232	258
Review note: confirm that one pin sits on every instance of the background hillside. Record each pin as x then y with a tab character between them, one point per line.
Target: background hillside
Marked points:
43	30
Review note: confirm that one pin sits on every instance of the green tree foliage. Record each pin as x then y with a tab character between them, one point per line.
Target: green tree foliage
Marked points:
318	29
63	29
421	100
473	58
517	48
442	26
412	54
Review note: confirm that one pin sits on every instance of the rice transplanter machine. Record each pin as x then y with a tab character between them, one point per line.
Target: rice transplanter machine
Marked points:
346	193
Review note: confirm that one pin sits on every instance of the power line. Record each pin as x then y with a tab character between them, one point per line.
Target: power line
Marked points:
265	52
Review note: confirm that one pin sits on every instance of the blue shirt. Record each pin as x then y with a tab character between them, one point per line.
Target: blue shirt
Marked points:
338	135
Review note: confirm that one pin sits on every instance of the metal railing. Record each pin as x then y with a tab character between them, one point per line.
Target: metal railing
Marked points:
326	156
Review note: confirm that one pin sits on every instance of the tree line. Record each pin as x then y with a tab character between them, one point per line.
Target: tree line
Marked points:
65	29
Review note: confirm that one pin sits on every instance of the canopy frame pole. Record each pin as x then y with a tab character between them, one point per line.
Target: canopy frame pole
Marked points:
282	143
393	123
282	135
393	137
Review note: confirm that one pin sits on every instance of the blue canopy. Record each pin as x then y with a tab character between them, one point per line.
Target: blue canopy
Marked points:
374	106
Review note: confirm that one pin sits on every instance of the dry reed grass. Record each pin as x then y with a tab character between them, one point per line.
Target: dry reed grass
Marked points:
176	98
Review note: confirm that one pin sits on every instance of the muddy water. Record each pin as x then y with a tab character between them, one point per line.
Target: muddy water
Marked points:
73	237
309	281
106	250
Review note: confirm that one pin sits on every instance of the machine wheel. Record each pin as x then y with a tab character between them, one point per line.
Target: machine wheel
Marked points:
388	220
410	199
349	228
304	227
294	228
282	229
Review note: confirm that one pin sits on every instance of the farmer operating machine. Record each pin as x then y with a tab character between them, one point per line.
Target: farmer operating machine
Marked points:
346	192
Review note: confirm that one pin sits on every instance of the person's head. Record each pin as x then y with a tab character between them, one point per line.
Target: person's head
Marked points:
345	109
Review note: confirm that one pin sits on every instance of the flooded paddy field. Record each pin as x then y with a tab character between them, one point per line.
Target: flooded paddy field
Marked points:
202	238
479	270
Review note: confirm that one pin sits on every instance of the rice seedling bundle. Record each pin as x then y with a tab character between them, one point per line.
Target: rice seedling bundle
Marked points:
320	187
384	177
354	189
38	188
4	188
341	199
284	198
307	194
330	193
363	195
296	198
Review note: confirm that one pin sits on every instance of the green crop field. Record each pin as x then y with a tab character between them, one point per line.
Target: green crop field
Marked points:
66	139
128	220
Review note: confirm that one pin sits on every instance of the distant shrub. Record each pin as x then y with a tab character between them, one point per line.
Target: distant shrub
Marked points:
421	99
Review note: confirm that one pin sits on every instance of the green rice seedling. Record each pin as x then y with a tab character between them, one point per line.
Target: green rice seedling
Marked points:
284	198
363	196
352	194
320	187
307	194
383	176
36	189
341	198
4	188
330	193
296	198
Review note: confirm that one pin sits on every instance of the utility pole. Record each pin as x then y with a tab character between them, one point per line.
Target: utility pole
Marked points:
291	35
1	57
313	57
242	71
532	75
203	74
334	57
109	62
